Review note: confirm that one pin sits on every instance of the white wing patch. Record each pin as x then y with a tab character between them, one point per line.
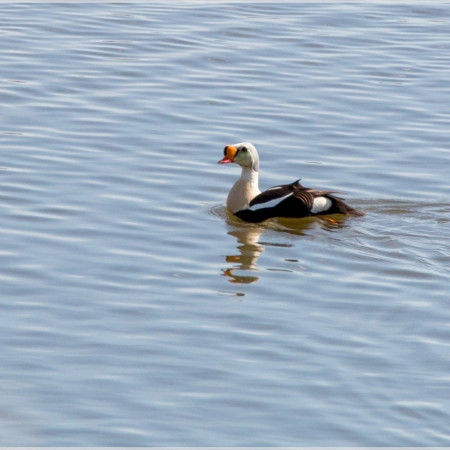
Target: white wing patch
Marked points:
321	204
273	188
269	204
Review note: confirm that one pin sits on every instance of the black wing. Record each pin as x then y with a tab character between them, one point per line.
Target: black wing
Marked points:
293	200
275	192
307	196
287	200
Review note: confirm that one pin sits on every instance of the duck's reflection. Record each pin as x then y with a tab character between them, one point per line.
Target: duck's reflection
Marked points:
249	246
249	252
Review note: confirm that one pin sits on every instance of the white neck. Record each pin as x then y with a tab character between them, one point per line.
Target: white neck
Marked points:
243	191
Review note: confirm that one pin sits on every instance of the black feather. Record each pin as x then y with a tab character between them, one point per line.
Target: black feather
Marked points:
298	203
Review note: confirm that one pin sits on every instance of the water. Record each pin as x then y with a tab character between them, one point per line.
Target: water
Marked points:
136	312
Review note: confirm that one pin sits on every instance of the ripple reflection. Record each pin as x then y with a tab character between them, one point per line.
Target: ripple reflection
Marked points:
244	263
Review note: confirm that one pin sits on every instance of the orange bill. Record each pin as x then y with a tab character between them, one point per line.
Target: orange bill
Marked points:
229	154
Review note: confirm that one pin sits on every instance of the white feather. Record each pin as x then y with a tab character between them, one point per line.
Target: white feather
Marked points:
321	204
273	188
269	204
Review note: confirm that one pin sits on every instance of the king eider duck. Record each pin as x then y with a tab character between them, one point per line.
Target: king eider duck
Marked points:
247	202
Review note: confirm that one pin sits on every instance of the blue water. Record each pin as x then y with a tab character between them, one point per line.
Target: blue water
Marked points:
136	312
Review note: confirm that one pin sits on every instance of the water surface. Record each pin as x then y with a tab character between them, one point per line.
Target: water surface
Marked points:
136	312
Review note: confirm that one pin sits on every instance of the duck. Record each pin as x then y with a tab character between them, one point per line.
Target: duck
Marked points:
248	203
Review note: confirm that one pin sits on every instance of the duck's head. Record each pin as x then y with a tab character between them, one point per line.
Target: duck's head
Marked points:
243	153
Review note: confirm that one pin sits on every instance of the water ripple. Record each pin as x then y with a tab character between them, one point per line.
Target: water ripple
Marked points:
135	308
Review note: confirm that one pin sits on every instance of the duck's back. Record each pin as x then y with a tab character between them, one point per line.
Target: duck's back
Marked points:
294	200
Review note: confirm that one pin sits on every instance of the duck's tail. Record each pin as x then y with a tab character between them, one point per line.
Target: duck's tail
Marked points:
340	207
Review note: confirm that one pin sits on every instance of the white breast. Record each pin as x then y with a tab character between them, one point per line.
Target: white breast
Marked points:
243	191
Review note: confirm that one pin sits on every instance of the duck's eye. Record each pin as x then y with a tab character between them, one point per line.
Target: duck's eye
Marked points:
244	149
